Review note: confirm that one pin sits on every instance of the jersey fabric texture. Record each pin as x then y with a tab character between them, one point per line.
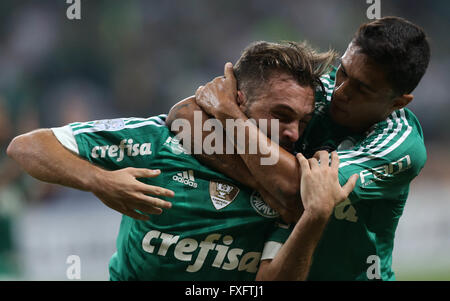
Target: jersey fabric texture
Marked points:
216	228
358	241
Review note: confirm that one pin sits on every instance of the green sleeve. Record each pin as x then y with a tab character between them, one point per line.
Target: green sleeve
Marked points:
386	160
122	142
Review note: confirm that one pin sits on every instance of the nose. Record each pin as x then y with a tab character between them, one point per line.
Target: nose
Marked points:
291	132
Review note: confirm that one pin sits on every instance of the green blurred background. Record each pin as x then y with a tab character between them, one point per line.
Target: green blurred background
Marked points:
138	58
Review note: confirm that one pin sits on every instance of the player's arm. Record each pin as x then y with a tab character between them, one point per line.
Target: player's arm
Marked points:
320	192
231	165
281	174
42	156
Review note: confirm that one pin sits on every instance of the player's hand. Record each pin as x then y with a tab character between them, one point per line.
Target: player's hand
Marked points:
120	190
218	97
320	189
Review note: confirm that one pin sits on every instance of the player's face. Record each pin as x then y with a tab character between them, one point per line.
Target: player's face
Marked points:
362	95
284	99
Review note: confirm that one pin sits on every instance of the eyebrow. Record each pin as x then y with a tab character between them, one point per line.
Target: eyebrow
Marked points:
360	82
282	107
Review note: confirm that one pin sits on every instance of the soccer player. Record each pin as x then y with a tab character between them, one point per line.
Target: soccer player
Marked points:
362	115
216	228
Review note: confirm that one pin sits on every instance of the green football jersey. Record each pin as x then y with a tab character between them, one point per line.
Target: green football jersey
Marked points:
358	241
216	228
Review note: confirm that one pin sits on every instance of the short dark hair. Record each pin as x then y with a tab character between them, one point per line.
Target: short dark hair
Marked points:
400	46
260	60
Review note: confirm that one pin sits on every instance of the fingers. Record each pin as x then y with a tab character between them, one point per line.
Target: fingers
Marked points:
334	161
304	165
144	172
350	185
155	201
313	163
155	190
126	211
146	208
135	215
198	92
323	157
129	210
229	73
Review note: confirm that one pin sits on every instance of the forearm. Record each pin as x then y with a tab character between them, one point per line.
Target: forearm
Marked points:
234	166
294	259
42	156
231	165
272	166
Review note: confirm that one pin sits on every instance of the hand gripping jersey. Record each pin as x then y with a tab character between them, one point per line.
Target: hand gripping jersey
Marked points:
358	241
216	228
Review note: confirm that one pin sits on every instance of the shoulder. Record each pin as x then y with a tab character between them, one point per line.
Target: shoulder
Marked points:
397	141
119	124
83	136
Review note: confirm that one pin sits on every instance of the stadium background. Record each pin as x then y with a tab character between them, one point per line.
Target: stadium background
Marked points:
138	58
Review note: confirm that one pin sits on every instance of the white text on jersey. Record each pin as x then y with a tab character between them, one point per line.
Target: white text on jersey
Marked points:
185	248
112	151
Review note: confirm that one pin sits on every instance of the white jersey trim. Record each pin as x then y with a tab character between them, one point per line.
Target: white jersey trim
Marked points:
270	250
65	136
127	126
371	153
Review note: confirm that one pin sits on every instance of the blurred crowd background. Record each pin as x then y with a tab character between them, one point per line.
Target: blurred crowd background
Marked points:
138	58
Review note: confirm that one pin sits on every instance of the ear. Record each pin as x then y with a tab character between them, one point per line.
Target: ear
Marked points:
241	99
402	101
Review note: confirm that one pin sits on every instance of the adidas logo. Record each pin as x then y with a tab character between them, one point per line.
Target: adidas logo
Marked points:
186	177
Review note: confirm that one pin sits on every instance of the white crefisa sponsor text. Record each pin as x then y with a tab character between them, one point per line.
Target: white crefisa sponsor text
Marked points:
225	257
126	147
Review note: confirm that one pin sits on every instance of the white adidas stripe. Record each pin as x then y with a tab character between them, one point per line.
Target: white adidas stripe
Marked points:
381	135
388	150
385	131
154	118
189	174
127	126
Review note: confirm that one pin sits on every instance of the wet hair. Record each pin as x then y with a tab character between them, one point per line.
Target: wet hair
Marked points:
400	46
260	61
